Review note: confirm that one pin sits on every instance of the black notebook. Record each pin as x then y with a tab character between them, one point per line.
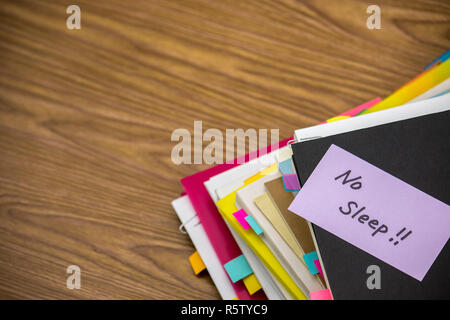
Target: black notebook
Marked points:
416	151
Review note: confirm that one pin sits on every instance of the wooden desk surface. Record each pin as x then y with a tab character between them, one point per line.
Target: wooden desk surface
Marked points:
86	117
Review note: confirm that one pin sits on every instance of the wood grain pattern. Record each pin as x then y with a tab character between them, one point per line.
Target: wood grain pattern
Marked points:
86	118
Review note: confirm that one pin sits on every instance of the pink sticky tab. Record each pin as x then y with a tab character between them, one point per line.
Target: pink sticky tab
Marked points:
291	181
353	112
240	217
375	211
321	295
318	266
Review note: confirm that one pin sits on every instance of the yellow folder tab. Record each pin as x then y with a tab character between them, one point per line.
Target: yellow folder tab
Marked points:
252	284
414	88
197	263
227	207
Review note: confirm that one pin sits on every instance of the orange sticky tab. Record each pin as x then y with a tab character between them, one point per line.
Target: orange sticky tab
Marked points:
197	263
235	298
252	284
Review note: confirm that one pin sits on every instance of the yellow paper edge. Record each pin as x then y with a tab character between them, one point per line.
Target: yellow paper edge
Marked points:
414	89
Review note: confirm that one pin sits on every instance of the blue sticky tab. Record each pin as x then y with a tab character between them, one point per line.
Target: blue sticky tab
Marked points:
441	59
285	166
238	268
255	226
441	94
309	260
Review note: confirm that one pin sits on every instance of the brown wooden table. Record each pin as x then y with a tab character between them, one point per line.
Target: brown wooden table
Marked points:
86	117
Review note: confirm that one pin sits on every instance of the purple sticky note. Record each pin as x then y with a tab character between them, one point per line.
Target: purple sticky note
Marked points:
318	266
375	212
291	181
240	217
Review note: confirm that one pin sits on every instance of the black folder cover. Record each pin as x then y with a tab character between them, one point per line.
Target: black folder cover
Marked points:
416	151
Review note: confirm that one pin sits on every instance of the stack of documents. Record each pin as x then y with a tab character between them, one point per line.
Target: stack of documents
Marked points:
356	207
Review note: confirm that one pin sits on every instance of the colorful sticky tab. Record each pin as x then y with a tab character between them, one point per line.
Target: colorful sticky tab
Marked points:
240	216
254	225
309	261
197	263
441	59
235	298
238	268
252	284
324	294
285	166
290	182
442	93
318	266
